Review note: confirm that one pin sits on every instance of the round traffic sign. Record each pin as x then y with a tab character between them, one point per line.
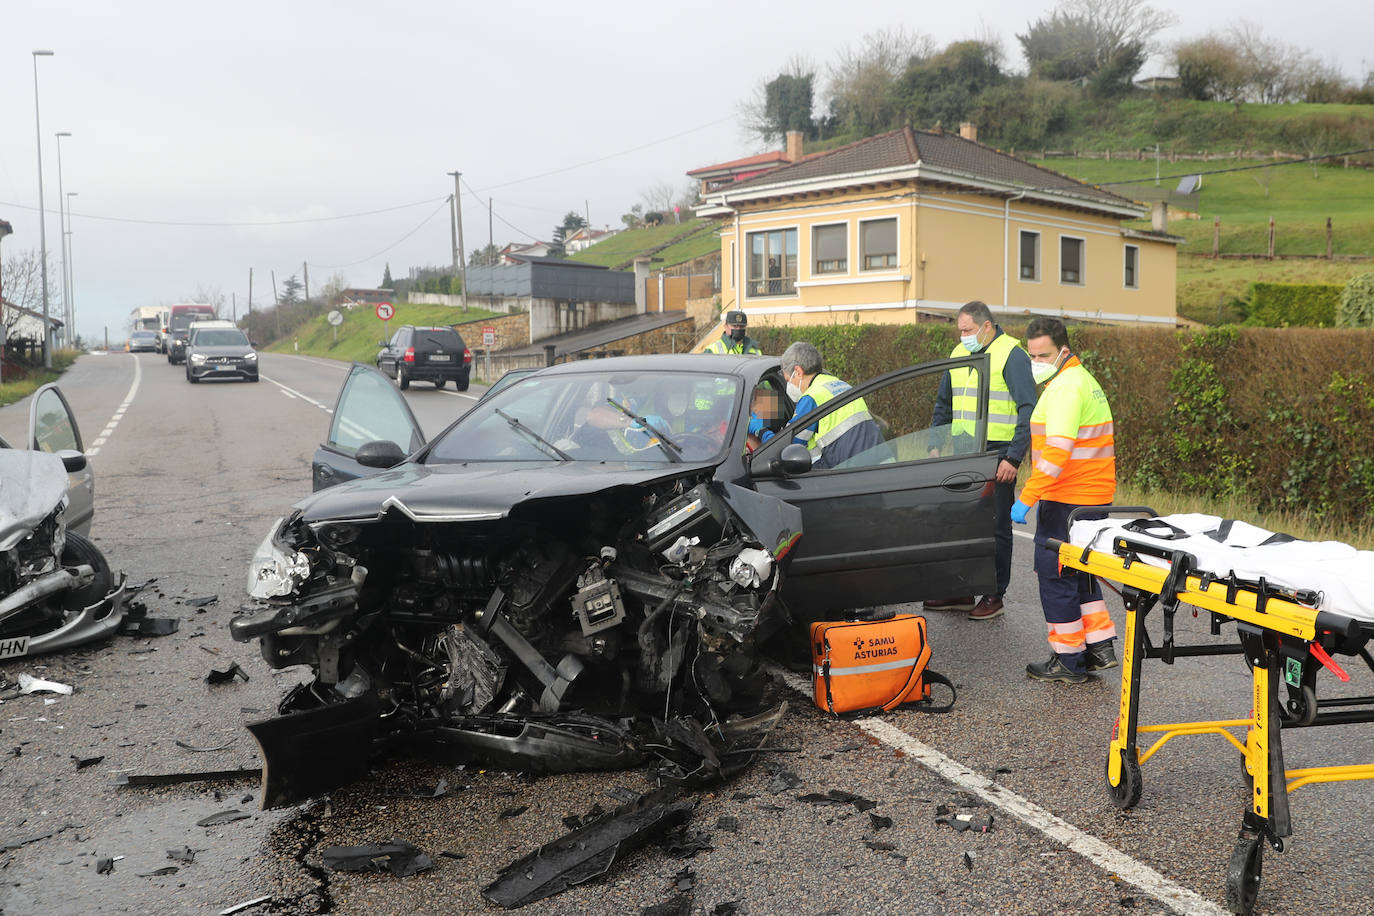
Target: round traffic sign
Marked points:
385	311
335	317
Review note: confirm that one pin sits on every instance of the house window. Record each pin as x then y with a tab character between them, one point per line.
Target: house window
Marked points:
878	244
1132	278
1070	260
772	263
1030	255
830	249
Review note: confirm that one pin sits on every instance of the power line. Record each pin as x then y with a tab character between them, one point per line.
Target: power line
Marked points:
492	212
276	222
442	205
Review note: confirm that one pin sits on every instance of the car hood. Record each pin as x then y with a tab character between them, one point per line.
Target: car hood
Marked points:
236	350
31	485
476	491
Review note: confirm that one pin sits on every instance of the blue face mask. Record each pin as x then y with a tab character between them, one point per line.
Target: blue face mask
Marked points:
970	342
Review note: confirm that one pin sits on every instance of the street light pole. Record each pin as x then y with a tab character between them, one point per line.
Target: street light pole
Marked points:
62	234
5	229
71	274
42	223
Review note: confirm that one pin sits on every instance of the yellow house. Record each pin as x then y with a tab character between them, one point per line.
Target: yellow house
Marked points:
910	223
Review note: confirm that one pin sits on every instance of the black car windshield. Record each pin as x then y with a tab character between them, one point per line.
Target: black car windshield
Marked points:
579	417
227	337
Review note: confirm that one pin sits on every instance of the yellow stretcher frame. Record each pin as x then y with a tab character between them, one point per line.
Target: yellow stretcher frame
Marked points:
1272	631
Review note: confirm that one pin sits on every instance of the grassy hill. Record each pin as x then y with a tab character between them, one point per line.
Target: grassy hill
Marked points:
674	243
362	329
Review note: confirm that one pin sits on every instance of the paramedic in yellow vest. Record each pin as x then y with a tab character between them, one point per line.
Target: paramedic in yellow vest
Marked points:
1011	398
836	437
1073	464
736	339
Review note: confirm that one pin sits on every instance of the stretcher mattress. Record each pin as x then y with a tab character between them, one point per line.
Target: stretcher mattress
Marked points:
1342	576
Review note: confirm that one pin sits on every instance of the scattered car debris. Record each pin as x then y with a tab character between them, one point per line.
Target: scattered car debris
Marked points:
968	861
781	779
962	820
137	623
16	842
83	762
159	872
185	855
587	852
104	865
398	857
223	817
149	780
727	908
685	880
677	905
879	845
448	854
839	797
727	823
201	602
228	674
878	821
29	684
682	843
515	811
245	905
204	750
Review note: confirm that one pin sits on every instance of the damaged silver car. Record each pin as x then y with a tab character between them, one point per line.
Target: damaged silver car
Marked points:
56	588
579	572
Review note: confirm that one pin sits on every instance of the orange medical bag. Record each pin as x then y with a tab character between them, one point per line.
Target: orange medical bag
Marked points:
874	665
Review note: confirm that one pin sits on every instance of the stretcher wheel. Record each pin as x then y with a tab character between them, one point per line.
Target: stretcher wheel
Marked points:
1243	873
1126	795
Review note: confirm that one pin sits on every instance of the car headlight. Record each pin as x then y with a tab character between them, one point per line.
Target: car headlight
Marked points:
251	357
274	572
197	358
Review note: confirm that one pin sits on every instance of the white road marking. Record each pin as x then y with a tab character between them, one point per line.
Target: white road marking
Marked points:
291	392
1112	860
288	394
458	394
119	411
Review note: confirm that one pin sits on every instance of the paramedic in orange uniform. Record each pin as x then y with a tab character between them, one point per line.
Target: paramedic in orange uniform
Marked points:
1073	459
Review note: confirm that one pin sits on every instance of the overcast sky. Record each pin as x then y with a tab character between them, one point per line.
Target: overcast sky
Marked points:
263	113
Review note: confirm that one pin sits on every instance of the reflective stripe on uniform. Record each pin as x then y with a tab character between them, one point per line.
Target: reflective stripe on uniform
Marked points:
833	427
1002	413
1073	441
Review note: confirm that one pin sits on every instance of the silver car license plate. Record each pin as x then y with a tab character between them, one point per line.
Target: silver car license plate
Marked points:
439	358
14	647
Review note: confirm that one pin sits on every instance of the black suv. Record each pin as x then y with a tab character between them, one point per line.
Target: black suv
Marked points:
433	355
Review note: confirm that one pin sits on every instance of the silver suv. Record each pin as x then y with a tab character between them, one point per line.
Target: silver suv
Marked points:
219	350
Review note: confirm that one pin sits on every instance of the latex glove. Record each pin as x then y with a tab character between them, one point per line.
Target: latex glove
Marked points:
1019	511
755	425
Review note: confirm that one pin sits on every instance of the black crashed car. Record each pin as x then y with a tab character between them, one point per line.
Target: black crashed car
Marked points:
435	355
578	572
220	353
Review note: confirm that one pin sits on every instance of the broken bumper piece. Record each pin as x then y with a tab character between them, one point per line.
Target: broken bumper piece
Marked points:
315	751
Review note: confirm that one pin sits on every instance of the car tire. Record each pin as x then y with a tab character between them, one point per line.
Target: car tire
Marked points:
252	378
192	379
402	380
461	384
439	383
79	550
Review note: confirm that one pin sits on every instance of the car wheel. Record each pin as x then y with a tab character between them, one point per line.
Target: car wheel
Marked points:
402	380
77	551
438	383
192	379
252	378
461	384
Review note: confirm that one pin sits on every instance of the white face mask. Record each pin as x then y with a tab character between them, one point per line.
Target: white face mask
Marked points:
794	391
970	342
1042	372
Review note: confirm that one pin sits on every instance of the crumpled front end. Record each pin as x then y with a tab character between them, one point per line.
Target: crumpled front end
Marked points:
586	632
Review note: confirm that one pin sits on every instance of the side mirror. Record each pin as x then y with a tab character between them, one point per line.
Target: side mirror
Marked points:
254	344
379	453
381	343
72	460
794	459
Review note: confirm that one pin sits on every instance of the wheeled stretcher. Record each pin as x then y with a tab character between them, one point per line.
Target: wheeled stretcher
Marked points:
1286	634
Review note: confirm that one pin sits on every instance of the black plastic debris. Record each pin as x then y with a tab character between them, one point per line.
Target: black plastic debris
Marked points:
879	845
83	762
727	823
678	905
839	797
516	811
136	622
223	817
681	843
204	750
146	780
202	602
727	908
622	794
587	852
968	861
685	880
447	854
743	796
185	855
780	779
104	865
398	857
228	674
878	821
159	872
15	842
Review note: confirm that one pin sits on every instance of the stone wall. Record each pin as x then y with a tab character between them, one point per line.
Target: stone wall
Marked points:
511	331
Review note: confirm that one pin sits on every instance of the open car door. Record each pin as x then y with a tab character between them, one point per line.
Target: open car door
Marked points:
909	518
369	409
52	428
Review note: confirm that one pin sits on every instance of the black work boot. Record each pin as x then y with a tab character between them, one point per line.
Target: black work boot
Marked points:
1054	670
1100	655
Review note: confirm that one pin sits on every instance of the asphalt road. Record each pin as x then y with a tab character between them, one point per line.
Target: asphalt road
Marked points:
190	477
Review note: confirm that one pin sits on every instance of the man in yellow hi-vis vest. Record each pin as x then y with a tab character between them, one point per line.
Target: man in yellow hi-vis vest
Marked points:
839	435
736	339
1011	398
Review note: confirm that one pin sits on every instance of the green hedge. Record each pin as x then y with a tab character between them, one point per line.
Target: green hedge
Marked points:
1284	417
1357	303
1294	305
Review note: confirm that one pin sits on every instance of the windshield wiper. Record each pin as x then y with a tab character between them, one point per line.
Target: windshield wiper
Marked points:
660	438
516	425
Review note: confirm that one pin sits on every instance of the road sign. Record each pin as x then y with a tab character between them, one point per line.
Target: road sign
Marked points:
336	317
488	336
385	311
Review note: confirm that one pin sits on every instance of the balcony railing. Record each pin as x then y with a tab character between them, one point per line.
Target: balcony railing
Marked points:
776	286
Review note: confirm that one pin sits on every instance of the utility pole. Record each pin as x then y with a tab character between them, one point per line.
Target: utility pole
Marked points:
250	302
491	243
42	225
453	231
276	302
234	307
458	215
305	269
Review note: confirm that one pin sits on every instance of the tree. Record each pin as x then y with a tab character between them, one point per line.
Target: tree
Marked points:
783	103
862	81
1210	69
21	284
659	196
290	291
945	87
1104	42
488	254
572	221
634	217
387	282
331	292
